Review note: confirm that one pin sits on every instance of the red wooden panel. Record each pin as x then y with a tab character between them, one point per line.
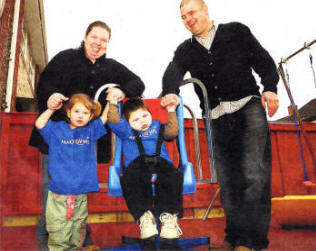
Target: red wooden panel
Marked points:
20	175
204	156
21	170
285	147
20	165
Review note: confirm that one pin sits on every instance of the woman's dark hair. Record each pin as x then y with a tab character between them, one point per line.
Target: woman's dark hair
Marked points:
132	105
96	24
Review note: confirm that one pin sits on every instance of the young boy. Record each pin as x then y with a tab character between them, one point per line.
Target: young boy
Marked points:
146	154
72	167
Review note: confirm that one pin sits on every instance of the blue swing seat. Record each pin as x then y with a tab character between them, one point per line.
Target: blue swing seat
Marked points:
115	171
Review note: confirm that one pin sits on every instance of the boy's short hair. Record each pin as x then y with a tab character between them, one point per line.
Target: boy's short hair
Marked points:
132	105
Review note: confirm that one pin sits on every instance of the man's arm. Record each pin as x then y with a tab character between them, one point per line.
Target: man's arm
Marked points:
260	60
173	76
263	64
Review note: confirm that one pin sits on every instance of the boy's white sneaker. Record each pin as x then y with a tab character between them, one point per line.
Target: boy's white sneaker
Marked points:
147	225
170	228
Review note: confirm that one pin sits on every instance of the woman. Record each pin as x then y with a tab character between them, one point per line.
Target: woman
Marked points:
81	70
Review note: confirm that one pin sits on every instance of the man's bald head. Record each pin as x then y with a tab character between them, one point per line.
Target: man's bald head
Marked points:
195	16
198	2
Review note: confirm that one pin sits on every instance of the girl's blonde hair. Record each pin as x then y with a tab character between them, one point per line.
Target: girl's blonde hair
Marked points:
93	106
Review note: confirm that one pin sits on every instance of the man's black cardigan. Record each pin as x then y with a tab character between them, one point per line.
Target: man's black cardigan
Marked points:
225	69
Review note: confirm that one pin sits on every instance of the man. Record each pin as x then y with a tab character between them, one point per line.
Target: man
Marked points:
223	57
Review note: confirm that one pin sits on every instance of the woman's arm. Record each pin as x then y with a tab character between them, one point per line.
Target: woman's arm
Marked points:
130	83
50	81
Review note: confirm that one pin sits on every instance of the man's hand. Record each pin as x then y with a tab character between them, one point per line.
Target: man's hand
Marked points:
170	99
115	94
272	101
171	108
55	101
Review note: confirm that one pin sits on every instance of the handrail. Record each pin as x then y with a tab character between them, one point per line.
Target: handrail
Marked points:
96	97
102	88
196	141
306	46
207	122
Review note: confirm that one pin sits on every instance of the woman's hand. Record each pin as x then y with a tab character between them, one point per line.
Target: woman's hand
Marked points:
115	94
55	101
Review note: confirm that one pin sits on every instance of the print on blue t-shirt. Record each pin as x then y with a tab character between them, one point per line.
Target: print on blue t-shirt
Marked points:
72	163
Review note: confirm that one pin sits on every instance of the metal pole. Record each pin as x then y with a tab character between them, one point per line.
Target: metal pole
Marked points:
102	88
306	46
96	97
296	117
196	142
211	204
312	68
208	125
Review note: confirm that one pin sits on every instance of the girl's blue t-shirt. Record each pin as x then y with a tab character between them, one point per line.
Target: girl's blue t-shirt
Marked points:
149	139
72	164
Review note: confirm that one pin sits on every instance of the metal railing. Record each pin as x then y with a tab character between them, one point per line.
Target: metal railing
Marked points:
96	97
208	128
208	132
196	142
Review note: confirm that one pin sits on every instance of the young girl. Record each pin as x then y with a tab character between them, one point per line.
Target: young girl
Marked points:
146	154
72	168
